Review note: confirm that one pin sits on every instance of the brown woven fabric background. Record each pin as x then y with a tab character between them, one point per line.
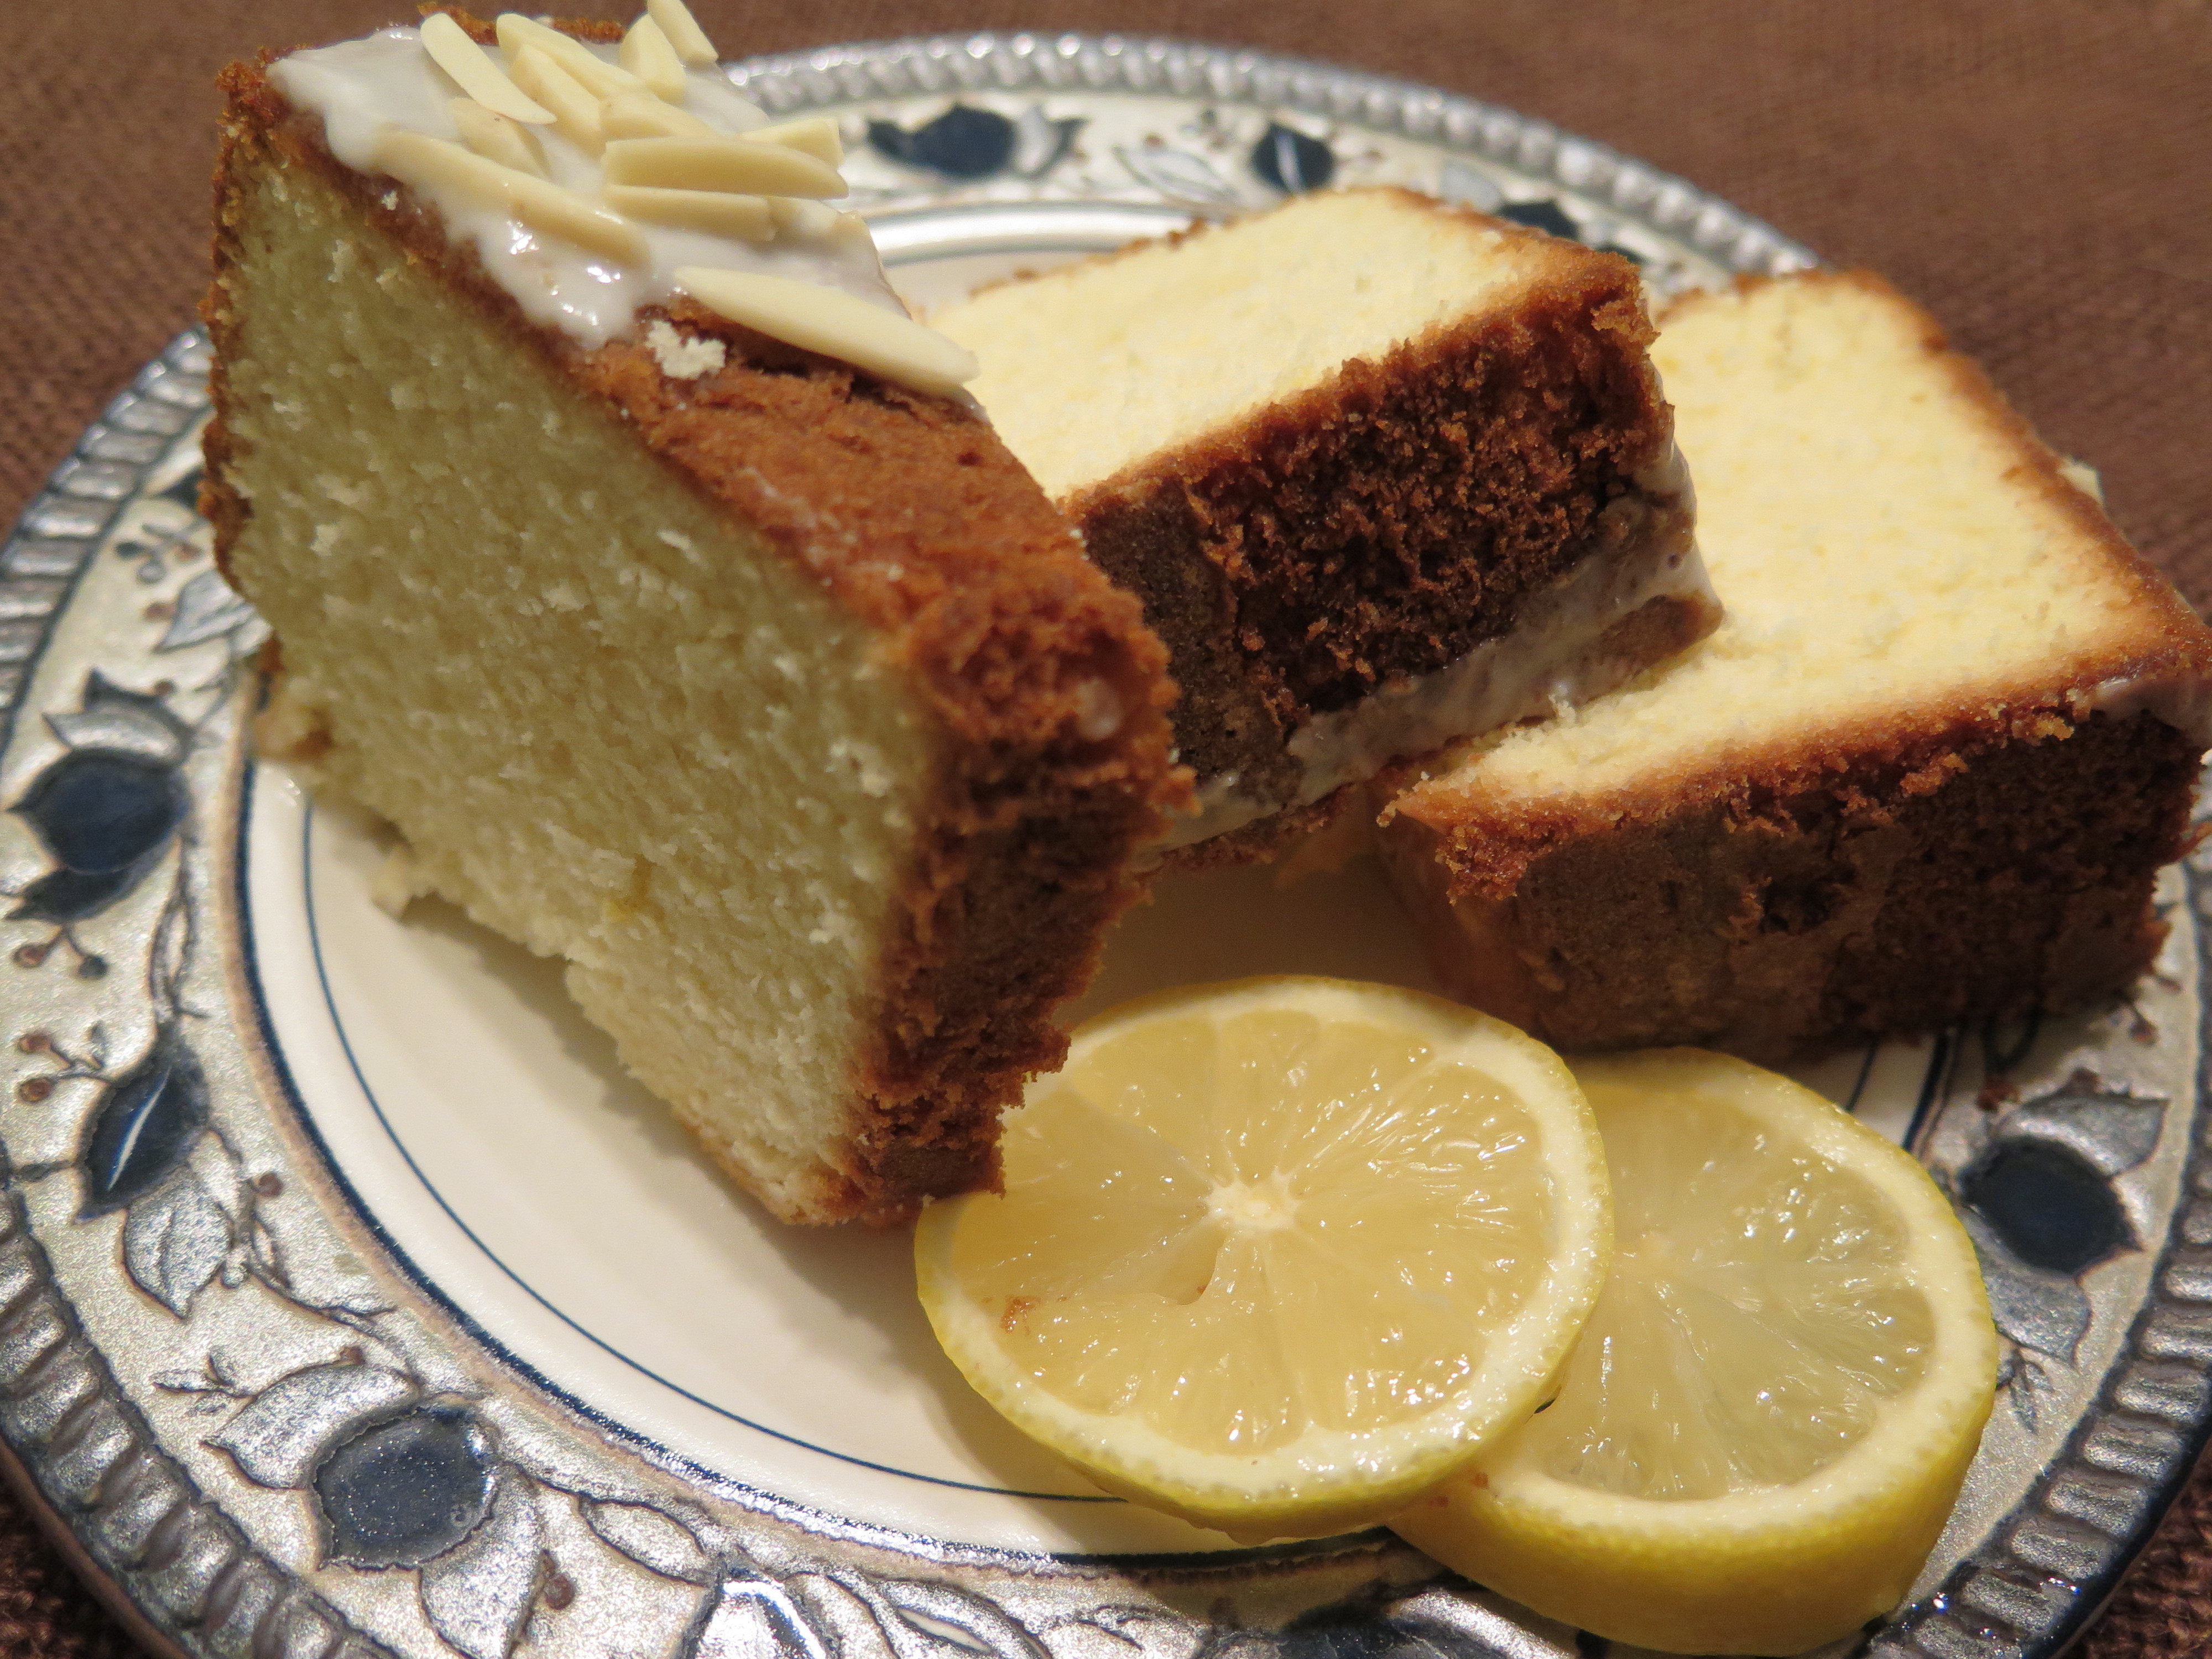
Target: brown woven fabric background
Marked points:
2038	174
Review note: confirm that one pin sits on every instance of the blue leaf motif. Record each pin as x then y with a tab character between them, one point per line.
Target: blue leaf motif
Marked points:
401	1491
106	808
144	1126
2053	1208
963	142
175	1241
1292	161
66	896
284	1431
478	1594
103	810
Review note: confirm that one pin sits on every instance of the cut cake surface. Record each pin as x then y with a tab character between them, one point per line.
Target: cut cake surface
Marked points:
1926	769
1385	471
774	698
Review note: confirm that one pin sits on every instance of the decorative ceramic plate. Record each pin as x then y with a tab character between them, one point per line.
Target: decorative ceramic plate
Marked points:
352	1300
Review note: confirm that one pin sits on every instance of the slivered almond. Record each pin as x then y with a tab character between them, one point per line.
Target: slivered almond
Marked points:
601	78
640	115
469	67
815	136
812	220
575	111
689	40
647	54
721	162
417	160
836	324
716	211
496	138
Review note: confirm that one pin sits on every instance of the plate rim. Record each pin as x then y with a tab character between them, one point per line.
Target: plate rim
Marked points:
52	546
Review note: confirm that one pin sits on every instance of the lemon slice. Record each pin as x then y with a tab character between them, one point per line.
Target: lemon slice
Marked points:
1756	1441
1275	1257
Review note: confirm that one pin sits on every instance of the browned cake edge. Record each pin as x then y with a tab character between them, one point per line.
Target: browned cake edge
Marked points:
951	551
2008	875
1745	905
1383	523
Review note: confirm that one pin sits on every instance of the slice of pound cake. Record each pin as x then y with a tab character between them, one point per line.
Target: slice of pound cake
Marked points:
1384	472
635	556
1925	771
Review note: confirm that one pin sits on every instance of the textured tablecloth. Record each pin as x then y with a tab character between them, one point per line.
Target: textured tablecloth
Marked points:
2038	174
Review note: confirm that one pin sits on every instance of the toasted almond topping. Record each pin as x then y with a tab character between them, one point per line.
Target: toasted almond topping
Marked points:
416	158
684	33
575	111
496	138
721	162
647	54
816	135
836	324
471	69
801	218
716	211
640	115
813	221
601	78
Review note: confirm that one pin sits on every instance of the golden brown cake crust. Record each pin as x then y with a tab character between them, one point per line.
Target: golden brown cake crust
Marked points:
2010	874
939	540
1382	524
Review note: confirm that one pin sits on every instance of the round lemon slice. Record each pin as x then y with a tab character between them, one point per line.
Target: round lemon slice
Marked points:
1757	1440
1275	1257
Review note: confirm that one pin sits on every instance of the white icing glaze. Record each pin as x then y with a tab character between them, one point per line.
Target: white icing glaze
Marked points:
1554	661
2184	703
387	79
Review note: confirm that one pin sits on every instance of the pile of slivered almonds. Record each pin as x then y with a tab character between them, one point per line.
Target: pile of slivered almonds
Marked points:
660	165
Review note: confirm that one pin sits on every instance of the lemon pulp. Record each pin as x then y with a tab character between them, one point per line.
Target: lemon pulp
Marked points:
1764	1424
1275	1257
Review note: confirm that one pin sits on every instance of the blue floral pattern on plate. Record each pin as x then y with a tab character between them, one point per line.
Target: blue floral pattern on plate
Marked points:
272	1442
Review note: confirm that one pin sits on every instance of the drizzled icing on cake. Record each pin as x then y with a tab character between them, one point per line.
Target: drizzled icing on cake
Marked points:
1557	658
581	252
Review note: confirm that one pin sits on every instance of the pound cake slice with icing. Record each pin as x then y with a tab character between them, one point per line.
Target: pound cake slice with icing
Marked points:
1385	472
1925	771
632	552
